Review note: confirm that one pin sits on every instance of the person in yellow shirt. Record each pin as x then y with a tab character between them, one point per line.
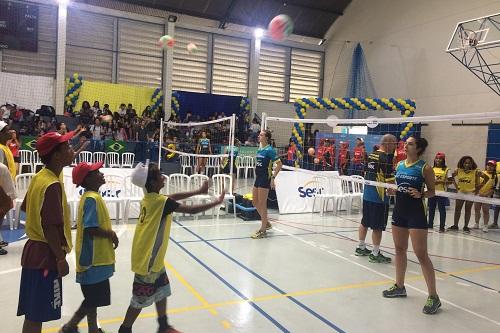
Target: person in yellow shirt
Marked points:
486	190
467	181
443	178
6	156
95	245
496	195
48	228
149	246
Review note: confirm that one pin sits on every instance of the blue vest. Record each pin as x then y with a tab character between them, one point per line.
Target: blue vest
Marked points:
410	175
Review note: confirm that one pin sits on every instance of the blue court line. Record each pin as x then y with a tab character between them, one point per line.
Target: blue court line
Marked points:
248	237
410	260
236	291
293	299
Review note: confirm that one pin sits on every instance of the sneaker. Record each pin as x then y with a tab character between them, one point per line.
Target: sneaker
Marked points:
362	252
466	230
379	259
453	228
485	228
441	230
259	234
394	292
66	329
475	226
3	244
432	305
493	226
3	252
269	226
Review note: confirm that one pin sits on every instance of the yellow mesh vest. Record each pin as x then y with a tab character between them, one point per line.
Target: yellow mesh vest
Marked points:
11	164
489	184
34	202
441	175
466	181
103	252
145	235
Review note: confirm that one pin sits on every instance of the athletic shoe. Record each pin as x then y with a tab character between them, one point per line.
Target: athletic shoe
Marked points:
379	259
441	230
485	228
66	329
3	252
269	226
3	244
453	228
493	226
475	226
466	230
100	330
394	292
259	234
362	252
432	305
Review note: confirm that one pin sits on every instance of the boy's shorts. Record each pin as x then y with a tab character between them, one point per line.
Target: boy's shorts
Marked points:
40	295
96	295
149	289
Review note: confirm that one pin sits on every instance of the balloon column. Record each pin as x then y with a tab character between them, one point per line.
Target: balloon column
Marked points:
245	109
175	103
73	84
156	100
405	106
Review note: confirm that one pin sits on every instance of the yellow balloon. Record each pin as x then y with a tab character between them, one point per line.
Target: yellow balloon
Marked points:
77	81
404	132
68	103
71	96
410	125
407	113
75	76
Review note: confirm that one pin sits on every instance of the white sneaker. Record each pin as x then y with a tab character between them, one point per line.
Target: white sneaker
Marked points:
485	228
475	226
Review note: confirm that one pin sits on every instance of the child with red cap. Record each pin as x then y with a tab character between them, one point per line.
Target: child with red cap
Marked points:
94	248
48	228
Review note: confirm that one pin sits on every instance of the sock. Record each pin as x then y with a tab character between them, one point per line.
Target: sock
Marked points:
124	329
375	250
163	322
362	244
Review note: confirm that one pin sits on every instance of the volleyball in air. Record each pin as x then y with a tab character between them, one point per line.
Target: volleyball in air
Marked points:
166	41
192	48
280	27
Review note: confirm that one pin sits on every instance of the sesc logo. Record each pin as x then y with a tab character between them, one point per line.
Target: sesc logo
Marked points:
309	192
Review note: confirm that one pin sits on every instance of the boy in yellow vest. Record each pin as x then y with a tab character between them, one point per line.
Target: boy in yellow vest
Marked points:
6	156
95	244
48	229
151	284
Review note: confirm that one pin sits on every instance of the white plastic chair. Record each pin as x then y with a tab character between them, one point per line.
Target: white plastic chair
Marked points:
358	187
214	164
186	163
85	156
22	183
26	159
114	192
99	156
250	165
165	189
240	165
224	183
327	188
178	182
347	193
195	182
37	162
72	196
113	160
128	160
133	194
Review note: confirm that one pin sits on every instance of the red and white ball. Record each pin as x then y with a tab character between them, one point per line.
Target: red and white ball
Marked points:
192	48
166	41
280	27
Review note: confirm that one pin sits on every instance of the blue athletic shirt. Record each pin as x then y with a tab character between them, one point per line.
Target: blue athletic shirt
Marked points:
379	168
94	274
409	175
204	144
265	158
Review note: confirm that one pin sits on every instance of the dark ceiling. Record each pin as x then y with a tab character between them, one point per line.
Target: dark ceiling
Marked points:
311	18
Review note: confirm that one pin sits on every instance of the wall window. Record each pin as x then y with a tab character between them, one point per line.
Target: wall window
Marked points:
306	77
272	72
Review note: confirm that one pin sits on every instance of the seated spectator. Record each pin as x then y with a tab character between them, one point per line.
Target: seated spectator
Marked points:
61	128
96	130
147	113
86	114
96	110
122	111
106	111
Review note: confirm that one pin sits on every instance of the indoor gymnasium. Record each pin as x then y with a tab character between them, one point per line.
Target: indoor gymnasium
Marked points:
249	166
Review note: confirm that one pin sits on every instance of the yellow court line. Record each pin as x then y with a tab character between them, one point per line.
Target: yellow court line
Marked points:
189	287
360	285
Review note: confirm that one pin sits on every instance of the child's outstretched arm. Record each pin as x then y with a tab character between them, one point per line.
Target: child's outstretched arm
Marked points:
184	195
195	209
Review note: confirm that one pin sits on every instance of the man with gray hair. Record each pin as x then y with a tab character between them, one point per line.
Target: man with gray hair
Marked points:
379	168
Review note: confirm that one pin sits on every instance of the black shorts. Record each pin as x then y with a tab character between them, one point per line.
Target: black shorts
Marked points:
96	295
262	182
375	215
410	216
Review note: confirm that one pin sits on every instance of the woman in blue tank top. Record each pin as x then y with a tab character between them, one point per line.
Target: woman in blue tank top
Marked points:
413	176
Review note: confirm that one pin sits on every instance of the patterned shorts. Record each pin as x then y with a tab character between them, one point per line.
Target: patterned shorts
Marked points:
149	289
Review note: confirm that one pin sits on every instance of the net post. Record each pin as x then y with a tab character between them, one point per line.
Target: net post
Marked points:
264	121
231	145
160	144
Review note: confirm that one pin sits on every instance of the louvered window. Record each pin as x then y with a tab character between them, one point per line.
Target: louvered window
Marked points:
305	77
230	66
272	72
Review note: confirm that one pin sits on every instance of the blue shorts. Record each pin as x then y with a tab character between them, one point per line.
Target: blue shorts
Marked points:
262	182
40	295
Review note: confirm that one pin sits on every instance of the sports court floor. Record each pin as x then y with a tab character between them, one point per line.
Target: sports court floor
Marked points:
303	278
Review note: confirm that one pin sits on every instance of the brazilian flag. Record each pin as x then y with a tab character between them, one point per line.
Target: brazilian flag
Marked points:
28	143
113	146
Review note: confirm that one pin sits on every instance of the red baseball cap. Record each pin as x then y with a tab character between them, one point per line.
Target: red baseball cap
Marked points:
440	155
492	162
82	170
47	142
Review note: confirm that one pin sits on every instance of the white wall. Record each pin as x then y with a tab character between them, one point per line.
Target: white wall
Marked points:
404	43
